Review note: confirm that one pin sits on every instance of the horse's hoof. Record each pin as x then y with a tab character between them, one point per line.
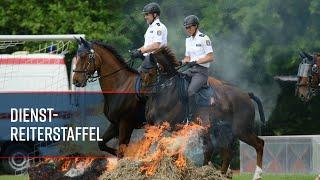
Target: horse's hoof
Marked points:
257	174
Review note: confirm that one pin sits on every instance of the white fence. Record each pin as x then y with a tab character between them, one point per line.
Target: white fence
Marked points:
284	155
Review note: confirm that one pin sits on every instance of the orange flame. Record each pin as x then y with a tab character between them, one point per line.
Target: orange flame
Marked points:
78	163
140	148
151	149
66	164
172	146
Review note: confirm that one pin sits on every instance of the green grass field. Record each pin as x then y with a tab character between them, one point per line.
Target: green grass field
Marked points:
11	177
275	177
235	177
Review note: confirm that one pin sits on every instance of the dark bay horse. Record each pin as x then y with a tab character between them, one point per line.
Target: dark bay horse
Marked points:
308	76
232	106
117	80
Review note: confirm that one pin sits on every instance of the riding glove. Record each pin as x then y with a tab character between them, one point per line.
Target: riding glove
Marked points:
136	54
192	63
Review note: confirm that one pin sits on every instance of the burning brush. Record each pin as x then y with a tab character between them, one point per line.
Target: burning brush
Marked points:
68	168
160	154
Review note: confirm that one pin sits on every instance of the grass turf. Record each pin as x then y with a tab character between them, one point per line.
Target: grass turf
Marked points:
274	177
13	177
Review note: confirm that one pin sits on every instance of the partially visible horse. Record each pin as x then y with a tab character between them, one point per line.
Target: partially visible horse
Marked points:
118	81
232	107
308	76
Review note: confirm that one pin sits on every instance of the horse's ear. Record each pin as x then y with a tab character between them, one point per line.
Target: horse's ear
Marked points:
78	40
301	54
84	42
307	55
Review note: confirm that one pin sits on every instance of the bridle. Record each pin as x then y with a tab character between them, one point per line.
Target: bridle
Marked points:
311	72
90	77
164	80
92	60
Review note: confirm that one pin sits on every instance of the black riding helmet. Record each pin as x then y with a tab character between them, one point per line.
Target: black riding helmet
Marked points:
191	20
151	8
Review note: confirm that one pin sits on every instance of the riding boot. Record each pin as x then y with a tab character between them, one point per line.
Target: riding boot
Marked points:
192	107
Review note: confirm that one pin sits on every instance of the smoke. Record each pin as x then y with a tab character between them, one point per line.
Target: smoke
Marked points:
232	65
234	61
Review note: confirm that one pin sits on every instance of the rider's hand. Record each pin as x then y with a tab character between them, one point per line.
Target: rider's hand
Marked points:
192	63
185	60
136	54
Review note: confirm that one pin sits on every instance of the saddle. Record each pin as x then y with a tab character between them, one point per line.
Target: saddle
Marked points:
205	95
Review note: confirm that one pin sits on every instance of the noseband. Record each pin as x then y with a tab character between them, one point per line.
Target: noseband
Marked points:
92	59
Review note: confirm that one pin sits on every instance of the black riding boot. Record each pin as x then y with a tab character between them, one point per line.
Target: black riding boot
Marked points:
192	107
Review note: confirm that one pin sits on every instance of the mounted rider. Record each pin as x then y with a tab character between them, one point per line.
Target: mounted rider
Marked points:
154	38
198	56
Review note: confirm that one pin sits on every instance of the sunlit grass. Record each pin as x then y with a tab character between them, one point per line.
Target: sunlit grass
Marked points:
275	177
12	177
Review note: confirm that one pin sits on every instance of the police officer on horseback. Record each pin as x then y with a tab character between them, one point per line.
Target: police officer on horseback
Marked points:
155	36
198	56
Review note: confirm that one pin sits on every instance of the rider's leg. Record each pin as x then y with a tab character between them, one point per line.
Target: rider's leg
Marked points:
197	81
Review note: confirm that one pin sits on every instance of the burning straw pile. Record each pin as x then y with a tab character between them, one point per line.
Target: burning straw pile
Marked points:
158	155
167	170
68	168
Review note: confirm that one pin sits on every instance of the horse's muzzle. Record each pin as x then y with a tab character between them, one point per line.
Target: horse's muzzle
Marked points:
80	84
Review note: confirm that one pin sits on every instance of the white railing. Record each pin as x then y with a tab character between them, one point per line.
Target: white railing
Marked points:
284	155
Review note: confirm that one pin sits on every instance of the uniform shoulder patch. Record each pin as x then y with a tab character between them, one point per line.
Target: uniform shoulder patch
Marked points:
159	33
201	35
158	24
208	42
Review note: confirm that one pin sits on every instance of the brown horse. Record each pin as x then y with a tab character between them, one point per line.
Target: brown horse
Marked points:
308	76
117	80
232	107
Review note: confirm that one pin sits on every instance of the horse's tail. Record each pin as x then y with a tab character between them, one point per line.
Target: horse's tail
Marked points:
260	107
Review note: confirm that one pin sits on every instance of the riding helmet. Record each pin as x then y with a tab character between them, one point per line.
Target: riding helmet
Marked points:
151	8
191	20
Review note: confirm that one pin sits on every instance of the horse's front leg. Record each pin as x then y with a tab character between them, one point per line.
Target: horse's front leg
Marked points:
110	133
125	131
208	148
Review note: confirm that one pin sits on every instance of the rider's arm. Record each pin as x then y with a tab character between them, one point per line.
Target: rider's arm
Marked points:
207	47
186	58
150	48
207	58
159	35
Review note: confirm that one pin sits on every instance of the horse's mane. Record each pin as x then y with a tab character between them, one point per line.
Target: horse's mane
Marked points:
116	55
167	59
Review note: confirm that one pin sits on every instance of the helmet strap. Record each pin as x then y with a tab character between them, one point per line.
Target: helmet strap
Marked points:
154	18
195	32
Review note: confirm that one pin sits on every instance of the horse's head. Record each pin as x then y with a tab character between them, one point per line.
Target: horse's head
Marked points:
160	62
85	65
308	76
148	71
166	60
